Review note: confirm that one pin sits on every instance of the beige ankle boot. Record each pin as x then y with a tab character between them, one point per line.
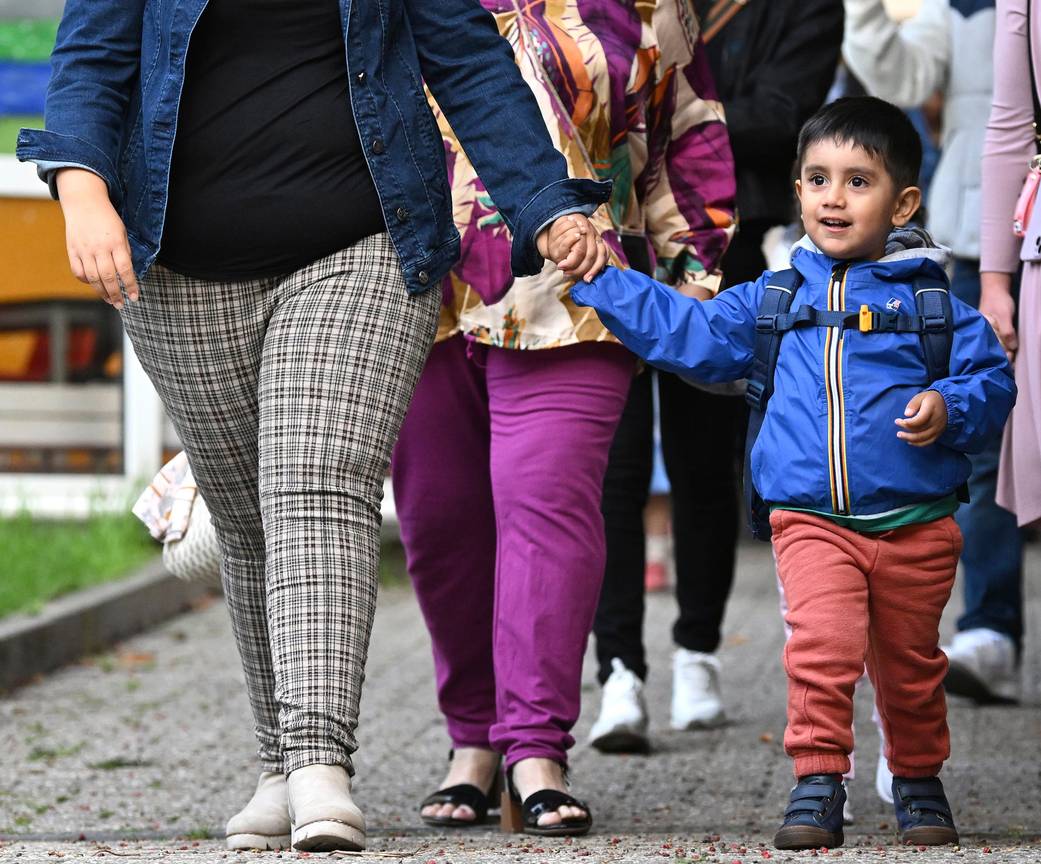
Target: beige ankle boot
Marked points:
264	822
325	818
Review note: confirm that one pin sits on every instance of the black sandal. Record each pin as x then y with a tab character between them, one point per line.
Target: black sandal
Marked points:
518	817
462	795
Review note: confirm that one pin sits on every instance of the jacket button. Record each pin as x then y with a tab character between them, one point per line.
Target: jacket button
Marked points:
361	77
423	277
401	213
377	146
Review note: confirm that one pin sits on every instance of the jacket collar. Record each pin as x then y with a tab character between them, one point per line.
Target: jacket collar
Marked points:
910	252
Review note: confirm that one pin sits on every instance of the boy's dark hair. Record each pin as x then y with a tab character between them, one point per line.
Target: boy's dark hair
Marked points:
882	129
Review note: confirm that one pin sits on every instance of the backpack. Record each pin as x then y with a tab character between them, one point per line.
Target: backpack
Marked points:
934	324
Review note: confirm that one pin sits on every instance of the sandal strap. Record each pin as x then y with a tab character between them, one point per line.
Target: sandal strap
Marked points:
465	794
549	800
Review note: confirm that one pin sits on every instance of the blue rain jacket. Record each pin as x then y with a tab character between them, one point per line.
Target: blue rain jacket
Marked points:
828	440
115	89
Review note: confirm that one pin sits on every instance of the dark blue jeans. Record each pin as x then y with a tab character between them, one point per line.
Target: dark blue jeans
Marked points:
993	553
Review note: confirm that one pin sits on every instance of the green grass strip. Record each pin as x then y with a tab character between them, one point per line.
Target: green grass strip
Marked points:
43	559
27	40
9	127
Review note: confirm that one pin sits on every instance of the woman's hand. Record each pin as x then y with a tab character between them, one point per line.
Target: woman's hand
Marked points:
575	246
95	237
999	308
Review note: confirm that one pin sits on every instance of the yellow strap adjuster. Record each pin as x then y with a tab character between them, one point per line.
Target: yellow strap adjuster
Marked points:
865	320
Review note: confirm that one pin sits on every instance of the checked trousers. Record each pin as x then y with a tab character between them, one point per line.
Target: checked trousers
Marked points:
287	394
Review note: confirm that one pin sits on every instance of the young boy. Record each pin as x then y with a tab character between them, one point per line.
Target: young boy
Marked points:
860	456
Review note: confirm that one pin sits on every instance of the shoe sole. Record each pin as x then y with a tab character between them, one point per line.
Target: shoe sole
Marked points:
449	822
804	837
622	741
328	836
579	830
701	723
961	681
266	842
929	835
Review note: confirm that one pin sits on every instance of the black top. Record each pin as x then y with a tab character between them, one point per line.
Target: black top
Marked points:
268	174
773	64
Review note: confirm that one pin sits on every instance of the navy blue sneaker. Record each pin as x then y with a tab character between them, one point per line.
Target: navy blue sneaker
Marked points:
813	818
922	812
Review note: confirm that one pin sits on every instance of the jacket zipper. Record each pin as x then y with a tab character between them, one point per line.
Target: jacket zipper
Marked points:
838	475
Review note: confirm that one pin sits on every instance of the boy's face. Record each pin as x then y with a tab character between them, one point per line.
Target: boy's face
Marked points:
849	200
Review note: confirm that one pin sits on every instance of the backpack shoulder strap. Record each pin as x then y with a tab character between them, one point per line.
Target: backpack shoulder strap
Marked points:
933	300
777	300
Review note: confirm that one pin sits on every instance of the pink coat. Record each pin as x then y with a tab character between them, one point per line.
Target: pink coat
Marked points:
1007	152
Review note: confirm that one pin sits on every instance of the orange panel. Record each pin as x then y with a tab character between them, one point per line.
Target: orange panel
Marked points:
16	351
33	262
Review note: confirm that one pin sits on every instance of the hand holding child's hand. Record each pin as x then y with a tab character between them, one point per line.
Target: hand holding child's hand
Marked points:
575	246
924	420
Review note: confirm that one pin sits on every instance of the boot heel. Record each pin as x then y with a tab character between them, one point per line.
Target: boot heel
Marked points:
511	820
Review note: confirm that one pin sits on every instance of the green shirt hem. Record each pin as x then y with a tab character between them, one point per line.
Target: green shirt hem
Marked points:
912	514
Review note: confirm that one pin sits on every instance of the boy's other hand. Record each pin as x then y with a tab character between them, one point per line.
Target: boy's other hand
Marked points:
575	246
924	420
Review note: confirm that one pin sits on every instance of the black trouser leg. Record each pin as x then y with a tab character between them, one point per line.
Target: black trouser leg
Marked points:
698	432
618	625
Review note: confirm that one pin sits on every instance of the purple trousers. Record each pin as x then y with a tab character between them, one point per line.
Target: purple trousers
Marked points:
498	475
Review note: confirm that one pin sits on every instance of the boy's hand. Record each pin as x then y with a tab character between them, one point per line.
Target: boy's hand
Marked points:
575	246
924	420
695	291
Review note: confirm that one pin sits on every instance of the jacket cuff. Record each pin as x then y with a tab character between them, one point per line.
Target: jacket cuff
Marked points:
552	202
955	416
53	150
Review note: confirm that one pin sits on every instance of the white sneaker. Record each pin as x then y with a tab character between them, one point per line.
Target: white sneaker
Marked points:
884	778
622	724
325	817
696	699
847	807
264	822
982	666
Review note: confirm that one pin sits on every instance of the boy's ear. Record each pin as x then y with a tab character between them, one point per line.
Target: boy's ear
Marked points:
907	204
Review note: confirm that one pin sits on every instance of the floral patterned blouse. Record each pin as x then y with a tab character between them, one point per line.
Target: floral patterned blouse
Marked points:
627	94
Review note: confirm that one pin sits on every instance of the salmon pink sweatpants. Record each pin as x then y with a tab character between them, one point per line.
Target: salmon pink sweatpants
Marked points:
858	598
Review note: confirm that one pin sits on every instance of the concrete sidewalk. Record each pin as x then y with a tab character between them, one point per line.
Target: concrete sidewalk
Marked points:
146	751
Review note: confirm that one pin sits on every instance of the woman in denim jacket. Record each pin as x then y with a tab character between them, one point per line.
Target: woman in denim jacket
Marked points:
271	176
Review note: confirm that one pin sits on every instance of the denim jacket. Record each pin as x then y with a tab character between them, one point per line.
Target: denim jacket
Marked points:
118	70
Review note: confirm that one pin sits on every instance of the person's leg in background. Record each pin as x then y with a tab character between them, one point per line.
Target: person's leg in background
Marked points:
621	726
443	498
698	433
984	652
702	433
553	416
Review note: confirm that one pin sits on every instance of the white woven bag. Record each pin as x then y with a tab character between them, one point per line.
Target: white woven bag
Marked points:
196	556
